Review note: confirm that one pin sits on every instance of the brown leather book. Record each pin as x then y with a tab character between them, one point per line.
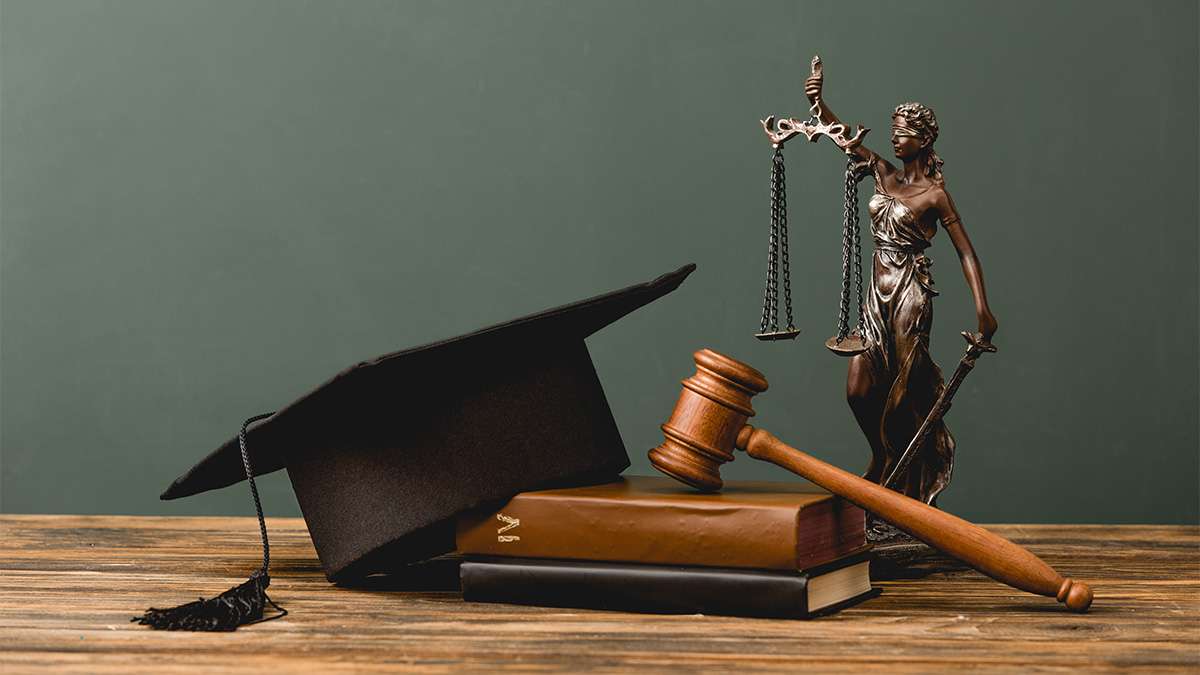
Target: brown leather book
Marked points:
648	519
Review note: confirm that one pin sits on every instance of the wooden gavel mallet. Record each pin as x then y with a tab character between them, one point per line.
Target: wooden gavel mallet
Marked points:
710	420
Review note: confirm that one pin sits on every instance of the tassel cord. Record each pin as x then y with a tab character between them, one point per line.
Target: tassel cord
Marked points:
262	522
239	606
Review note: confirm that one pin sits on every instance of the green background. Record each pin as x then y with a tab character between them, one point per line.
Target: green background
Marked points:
210	207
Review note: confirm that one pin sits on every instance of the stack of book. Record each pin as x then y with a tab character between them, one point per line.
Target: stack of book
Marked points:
650	544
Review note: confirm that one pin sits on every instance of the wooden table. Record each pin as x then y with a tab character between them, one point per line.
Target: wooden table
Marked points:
68	585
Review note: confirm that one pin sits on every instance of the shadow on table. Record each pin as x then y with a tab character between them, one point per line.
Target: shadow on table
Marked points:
435	574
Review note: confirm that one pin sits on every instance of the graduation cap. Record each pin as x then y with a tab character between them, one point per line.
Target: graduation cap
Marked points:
383	456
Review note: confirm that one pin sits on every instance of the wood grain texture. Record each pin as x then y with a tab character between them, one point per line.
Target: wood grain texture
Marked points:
68	585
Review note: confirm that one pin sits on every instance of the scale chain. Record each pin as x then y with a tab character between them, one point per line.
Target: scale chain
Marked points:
770	313
773	261
856	235
766	309
783	245
851	253
848	217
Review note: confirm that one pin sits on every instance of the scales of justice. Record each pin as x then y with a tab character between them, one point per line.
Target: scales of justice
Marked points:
894	388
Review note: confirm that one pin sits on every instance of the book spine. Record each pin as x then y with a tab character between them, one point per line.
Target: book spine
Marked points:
743	536
662	590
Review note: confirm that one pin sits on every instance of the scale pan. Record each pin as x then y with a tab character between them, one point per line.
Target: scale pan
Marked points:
851	345
778	335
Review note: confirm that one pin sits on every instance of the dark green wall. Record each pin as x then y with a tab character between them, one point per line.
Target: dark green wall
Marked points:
209	207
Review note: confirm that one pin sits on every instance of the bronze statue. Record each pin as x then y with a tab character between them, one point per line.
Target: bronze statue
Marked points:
893	385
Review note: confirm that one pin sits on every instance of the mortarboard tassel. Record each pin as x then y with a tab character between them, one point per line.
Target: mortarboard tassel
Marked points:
241	605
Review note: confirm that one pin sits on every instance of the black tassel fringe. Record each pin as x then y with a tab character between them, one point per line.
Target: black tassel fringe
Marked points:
243	604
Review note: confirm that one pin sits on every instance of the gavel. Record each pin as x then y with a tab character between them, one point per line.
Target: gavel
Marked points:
709	421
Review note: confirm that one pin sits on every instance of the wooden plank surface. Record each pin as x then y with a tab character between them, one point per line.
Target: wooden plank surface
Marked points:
68	585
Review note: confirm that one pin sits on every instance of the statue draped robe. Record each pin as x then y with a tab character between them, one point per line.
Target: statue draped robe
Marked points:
898	314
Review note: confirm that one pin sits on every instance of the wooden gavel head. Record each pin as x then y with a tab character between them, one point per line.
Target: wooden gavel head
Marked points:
704	427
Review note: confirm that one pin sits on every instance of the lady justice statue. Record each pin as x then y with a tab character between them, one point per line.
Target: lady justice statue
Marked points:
893	386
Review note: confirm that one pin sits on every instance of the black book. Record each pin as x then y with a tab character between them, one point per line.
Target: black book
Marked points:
668	589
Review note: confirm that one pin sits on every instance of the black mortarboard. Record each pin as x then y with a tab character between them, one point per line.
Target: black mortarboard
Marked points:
383	456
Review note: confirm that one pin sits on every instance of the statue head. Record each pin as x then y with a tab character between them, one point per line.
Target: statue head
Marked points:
914	129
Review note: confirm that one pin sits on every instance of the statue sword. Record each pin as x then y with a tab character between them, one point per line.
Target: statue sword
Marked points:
976	346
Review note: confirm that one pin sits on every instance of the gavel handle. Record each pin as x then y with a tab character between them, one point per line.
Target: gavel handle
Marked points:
985	551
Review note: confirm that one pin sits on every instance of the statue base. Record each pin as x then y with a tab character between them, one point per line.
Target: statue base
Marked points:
898	555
